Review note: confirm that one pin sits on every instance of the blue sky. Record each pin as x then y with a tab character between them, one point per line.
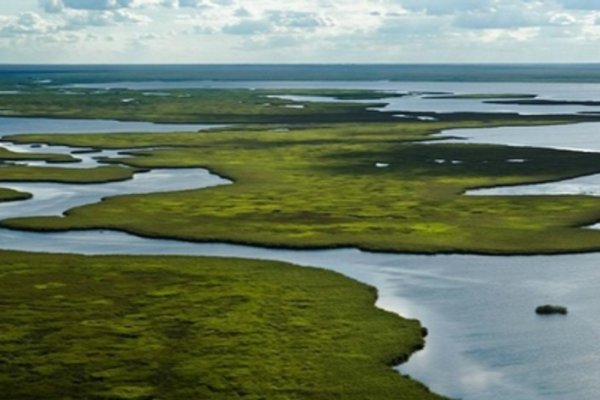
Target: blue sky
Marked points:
330	31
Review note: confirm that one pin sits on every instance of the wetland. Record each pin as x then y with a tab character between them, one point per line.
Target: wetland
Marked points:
306	186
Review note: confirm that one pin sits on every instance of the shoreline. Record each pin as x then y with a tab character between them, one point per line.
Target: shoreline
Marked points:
311	248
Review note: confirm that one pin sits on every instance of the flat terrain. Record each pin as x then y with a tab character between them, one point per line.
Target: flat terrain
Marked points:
12	195
321	187
316	176
192	106
105	174
77	327
7	155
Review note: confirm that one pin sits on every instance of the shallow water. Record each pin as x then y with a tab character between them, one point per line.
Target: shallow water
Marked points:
416	103
55	198
16	125
485	341
586	185
580	137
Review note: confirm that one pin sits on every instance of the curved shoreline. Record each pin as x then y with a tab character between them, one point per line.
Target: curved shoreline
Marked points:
371	339
346	247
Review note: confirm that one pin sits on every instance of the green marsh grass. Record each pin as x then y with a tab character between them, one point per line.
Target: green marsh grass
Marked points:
125	328
317	187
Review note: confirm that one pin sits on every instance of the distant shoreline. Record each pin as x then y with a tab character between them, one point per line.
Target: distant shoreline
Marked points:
468	72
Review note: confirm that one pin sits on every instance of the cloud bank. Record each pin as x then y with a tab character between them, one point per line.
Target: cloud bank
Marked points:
302	30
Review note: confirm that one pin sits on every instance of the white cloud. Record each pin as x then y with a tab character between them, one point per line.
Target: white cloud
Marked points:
28	23
83	19
248	27
563	19
304	30
297	19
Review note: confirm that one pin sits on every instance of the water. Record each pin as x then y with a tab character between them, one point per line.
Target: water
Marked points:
420	101
485	341
55	198
16	125
586	185
580	137
587	73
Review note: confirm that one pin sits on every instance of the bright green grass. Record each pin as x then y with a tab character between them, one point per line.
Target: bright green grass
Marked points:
11	173
101	328
319	187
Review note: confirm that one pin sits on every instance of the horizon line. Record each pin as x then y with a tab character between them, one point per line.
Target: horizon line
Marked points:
550	63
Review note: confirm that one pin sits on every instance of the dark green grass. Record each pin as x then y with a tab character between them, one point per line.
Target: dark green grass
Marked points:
319	187
7	155
223	106
12	195
113	328
191	106
12	173
550	309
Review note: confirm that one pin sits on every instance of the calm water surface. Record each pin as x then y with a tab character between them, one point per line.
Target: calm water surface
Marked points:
418	101
485	340
15	125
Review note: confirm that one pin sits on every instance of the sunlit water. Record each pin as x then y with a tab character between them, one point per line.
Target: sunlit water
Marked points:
485	340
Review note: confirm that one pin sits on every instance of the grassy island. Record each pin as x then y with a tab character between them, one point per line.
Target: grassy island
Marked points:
12	195
7	155
195	106
318	187
104	174
127	328
305	175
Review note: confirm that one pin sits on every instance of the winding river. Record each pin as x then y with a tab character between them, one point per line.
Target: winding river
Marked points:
485	341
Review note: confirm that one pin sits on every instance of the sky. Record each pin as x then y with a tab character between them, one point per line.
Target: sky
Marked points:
299	31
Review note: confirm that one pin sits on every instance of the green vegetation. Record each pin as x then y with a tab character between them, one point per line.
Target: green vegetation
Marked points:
7	155
101	328
13	173
12	195
110	328
549	309
191	106
320	187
